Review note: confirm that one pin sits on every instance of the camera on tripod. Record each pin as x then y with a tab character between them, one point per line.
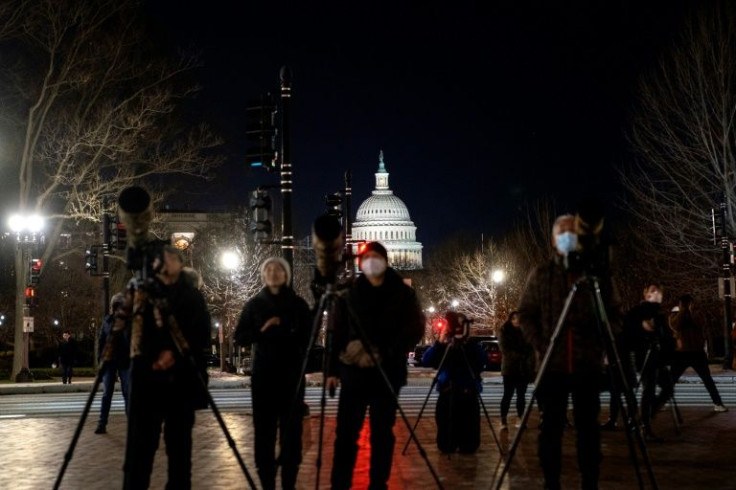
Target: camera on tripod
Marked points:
593	254
457	326
145	252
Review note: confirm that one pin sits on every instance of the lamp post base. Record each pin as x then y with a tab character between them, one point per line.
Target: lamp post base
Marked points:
24	376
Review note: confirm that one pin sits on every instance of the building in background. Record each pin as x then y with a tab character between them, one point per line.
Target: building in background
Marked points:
384	218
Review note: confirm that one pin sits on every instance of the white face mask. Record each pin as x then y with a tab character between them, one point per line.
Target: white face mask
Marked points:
373	266
566	242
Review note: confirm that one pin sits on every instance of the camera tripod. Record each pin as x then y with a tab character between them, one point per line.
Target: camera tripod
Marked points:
649	363
455	346
619	383
182	346
326	310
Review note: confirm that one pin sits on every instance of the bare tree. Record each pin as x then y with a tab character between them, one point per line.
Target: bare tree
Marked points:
93	110
227	290
683	136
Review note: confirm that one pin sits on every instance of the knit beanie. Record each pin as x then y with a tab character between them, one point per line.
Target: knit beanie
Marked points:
283	263
376	247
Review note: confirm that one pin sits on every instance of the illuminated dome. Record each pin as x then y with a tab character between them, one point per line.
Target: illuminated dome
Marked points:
383	217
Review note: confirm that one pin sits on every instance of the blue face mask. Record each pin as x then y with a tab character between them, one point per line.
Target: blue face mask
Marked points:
566	242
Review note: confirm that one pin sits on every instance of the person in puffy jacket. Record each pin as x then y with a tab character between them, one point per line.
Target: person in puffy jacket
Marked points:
277	322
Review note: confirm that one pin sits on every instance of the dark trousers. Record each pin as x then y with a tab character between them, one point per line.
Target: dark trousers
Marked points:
361	389
154	403
108	388
66	373
458	421
513	384
699	362
553	395
273	409
651	377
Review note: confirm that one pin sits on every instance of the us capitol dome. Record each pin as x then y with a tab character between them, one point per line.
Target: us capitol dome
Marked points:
384	218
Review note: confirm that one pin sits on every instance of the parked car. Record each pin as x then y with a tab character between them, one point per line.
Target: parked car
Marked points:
492	348
415	358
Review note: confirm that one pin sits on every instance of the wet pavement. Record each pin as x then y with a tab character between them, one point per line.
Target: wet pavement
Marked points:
700	457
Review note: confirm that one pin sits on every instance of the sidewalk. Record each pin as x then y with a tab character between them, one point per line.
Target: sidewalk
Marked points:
33	451
219	380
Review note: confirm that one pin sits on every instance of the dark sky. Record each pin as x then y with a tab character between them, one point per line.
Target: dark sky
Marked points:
478	108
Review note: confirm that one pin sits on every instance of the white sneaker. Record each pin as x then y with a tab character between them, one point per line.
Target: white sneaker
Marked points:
517	424
720	408
504	427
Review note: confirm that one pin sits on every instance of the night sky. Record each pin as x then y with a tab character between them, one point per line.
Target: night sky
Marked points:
478	109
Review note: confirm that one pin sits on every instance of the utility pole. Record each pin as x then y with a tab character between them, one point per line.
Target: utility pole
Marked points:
726	249
287	236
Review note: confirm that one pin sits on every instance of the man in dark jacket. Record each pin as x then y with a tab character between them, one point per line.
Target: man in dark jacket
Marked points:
67	356
278	323
117	365
575	363
387	312
165	388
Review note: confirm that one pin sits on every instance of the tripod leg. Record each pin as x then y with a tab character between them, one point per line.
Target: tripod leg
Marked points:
80	425
610	344
390	388
540	374
477	381
426	399
182	347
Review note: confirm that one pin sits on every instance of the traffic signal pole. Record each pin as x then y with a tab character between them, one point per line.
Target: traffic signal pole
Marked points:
106	239
727	289
287	237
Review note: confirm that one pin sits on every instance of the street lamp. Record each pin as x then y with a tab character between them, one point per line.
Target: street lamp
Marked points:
455	303
230	262
498	276
28	231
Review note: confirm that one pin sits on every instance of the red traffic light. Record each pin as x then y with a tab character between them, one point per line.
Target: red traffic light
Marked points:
440	324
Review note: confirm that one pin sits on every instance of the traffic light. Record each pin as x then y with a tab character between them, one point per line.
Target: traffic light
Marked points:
35	271
262	134
90	263
31	298
440	325
334	205
260	203
118	235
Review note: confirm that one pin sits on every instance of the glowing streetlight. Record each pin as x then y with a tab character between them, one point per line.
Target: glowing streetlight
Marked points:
230	260
431	309
498	276
455	303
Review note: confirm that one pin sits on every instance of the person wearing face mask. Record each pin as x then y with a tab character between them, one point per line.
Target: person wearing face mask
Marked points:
577	359
277	322
387	312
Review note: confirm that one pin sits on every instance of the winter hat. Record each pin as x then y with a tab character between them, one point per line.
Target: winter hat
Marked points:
117	301
375	247
283	263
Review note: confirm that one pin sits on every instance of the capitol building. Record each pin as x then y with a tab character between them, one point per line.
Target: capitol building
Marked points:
384	218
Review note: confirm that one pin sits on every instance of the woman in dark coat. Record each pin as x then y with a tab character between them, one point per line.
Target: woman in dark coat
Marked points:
278	324
517	366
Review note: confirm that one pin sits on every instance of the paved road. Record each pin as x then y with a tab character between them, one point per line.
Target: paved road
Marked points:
238	401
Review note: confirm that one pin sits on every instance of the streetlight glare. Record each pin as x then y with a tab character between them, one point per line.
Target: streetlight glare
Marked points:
455	303
18	223
230	260
15	223
431	309
498	276
34	223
